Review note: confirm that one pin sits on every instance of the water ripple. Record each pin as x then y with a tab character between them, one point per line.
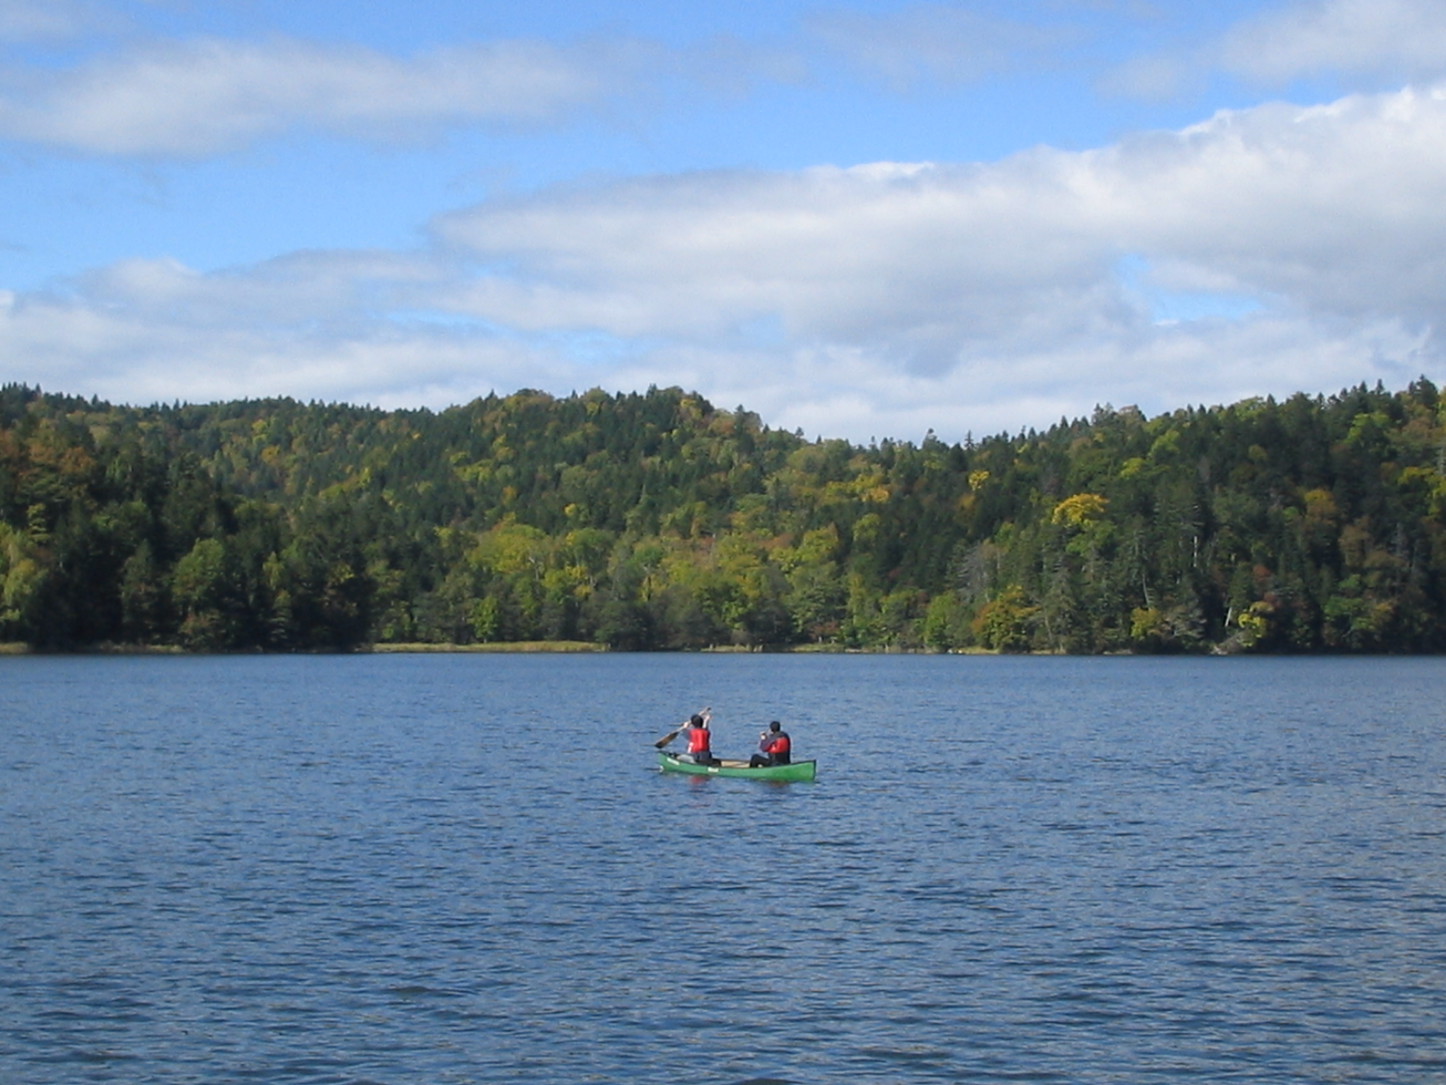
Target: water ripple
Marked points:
397	870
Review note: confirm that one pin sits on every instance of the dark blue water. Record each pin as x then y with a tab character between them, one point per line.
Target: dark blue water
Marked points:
435	869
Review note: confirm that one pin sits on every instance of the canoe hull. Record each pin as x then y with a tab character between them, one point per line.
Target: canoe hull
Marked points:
799	770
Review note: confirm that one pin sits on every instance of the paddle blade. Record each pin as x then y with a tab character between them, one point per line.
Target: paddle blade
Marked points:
666	739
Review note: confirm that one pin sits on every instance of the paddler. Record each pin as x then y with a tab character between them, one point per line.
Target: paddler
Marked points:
700	745
774	747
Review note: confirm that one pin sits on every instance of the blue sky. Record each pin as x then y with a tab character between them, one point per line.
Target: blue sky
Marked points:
865	219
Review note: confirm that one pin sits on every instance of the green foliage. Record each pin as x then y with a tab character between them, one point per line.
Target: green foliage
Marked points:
1005	624
656	521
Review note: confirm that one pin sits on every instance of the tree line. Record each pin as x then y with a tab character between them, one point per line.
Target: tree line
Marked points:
657	521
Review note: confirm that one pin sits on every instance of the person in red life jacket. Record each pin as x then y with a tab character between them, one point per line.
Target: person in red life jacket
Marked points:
774	747
700	747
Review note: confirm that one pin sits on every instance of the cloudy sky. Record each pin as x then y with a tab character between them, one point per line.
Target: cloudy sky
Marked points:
858	218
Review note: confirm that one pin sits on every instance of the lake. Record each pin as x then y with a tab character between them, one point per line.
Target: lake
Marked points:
466	868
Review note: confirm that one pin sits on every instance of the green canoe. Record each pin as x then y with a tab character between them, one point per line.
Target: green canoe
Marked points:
799	770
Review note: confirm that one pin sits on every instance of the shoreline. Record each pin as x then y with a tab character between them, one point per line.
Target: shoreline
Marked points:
565	647
20	648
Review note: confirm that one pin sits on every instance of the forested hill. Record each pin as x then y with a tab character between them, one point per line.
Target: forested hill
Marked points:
658	521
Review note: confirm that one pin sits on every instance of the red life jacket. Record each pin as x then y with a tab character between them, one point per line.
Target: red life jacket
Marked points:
698	738
778	744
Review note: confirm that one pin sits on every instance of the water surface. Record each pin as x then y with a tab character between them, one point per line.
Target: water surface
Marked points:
408	869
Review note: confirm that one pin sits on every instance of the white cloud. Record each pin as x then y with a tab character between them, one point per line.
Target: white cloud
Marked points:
932	43
1398	38
206	96
48	20
866	254
1335	208
1397	41
125	354
312	290
877	301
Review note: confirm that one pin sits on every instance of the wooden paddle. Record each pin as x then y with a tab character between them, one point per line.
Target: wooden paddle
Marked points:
707	712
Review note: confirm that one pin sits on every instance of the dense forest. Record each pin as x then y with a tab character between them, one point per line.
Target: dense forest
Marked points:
656	521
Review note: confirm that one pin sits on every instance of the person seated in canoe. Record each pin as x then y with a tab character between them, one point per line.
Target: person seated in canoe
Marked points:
700	746
774	747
